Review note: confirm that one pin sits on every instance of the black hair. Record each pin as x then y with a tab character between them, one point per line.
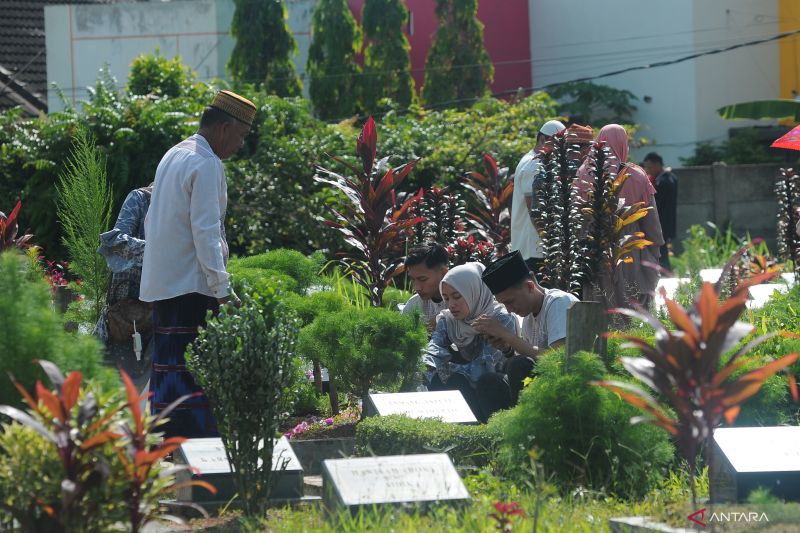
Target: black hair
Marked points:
655	158
433	254
213	116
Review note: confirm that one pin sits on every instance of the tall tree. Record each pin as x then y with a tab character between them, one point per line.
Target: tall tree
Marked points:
458	66
263	46
387	64
332	68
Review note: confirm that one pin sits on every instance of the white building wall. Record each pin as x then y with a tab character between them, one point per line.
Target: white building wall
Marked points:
572	39
82	38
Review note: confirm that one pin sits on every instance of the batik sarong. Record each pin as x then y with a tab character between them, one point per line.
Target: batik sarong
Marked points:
175	326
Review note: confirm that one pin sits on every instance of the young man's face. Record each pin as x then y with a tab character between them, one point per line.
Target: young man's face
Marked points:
517	299
652	168
426	280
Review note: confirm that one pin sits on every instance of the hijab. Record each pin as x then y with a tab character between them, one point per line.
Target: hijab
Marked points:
466	279
637	188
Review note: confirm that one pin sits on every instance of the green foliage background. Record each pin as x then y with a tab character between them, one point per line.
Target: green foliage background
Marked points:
458	66
387	64
263	47
331	67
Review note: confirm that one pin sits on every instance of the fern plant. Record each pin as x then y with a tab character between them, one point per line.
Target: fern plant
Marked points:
443	213
559	219
84	209
787	190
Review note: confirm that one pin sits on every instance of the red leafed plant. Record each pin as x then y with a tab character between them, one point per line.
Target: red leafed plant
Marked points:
488	208
371	221
9	228
77	428
141	453
86	434
504	512
687	369
469	250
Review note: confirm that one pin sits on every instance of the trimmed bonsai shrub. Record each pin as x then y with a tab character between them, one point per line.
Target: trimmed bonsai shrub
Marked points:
581	433
31	329
400	435
304	270
261	280
310	307
365	348
243	360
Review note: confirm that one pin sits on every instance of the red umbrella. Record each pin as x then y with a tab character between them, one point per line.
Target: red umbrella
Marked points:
790	141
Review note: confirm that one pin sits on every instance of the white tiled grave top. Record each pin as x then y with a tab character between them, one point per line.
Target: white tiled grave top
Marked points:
449	405
395	479
208	456
761	449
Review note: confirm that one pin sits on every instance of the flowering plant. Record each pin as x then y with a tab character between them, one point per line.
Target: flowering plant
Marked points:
503	514
313	423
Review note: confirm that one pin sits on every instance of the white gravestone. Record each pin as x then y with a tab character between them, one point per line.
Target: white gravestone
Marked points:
207	457
761	294
448	405
750	457
395	479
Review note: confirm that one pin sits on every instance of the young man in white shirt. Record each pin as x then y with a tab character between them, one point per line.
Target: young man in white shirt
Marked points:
544	325
426	265
183	270
524	236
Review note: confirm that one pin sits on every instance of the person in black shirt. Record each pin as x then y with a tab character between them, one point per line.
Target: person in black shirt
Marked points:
666	184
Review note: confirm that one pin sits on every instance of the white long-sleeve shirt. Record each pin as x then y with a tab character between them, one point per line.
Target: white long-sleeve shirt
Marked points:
185	251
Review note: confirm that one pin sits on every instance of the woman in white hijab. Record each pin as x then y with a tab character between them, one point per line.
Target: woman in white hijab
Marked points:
457	355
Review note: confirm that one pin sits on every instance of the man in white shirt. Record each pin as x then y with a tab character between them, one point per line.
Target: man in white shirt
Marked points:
426	265
544	325
524	236
183	270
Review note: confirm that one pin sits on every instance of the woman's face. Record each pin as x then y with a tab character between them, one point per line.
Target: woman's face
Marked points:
455	302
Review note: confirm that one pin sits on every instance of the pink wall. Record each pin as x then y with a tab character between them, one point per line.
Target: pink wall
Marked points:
506	34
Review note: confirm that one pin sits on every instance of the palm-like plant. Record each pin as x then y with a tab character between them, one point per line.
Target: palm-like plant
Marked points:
687	369
787	190
607	242
488	208
371	221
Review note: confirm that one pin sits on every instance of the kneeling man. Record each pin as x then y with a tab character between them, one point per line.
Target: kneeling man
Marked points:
426	265
544	324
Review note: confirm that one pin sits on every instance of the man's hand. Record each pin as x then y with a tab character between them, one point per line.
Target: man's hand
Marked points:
491	327
237	303
498	343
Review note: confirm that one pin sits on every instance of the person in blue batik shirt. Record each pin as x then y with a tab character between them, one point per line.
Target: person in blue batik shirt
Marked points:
123	249
457	356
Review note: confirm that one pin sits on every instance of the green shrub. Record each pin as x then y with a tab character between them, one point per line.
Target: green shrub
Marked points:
243	360
159	76
29	469
304	270
365	347
582	432
311	306
31	329
400	435
261	280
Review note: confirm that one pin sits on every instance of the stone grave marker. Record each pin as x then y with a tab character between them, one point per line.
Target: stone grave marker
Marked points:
396	479
748	458
448	405
710	275
586	323
761	294
208	457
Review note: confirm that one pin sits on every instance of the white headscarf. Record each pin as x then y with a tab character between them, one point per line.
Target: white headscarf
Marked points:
466	279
